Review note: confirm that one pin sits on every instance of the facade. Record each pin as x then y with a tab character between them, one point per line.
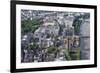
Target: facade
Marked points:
85	40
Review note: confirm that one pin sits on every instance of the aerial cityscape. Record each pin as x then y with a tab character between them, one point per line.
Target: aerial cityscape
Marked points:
54	36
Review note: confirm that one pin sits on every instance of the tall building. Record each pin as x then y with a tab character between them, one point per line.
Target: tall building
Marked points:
85	39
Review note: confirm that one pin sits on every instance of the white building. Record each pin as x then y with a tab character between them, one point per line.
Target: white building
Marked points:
69	20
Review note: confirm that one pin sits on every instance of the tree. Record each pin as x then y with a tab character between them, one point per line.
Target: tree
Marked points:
32	46
77	23
75	55
67	55
52	50
29	26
